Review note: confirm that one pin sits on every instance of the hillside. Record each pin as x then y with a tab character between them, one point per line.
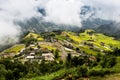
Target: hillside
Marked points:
88	42
62	55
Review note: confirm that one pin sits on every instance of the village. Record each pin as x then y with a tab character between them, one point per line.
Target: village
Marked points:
51	47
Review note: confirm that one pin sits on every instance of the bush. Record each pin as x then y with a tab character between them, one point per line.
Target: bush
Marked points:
99	72
82	71
108	61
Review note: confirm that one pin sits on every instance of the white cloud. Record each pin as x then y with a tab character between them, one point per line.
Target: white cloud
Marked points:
14	10
106	9
63	12
57	11
8	33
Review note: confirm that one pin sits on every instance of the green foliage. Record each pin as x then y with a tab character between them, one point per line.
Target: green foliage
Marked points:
74	67
57	54
82	71
29	41
68	60
108	61
12	70
77	61
116	52
3	72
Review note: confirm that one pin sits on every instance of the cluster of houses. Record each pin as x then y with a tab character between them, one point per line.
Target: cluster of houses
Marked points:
31	53
36	54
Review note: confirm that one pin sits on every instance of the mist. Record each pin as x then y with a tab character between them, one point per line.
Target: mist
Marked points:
66	12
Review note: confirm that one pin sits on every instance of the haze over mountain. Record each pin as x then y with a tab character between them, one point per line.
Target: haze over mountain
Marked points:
47	15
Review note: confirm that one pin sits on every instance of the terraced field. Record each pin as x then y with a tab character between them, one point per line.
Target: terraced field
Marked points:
33	35
89	41
15	48
99	41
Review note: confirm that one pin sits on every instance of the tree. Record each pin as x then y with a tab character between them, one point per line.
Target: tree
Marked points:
116	52
3	72
69	57
57	54
68	60
78	61
108	61
9	75
82	71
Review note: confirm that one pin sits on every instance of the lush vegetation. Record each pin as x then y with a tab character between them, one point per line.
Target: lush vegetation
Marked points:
100	56
73	68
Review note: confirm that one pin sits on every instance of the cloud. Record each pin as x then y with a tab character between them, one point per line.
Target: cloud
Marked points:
66	12
105	9
11	11
8	33
63	12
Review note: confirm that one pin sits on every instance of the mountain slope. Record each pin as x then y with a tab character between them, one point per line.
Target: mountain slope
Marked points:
88	42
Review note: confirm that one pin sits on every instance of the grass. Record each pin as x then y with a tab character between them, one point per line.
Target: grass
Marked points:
88	51
15	48
107	77
33	35
74	37
48	76
48	47
98	38
115	76
116	68
53	75
107	40
59	37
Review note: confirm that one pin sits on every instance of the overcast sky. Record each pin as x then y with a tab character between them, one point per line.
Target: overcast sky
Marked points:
65	12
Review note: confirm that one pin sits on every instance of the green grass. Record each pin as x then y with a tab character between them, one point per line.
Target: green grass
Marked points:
15	48
74	37
107	40
88	51
48	47
33	35
48	76
115	76
59	37
53	75
107	77
98	38
116	68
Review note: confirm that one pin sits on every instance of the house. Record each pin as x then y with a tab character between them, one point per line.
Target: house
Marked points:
32	54
92	58
22	50
32	45
30	57
67	49
48	56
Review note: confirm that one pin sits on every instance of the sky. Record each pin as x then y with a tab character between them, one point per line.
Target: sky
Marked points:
65	12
